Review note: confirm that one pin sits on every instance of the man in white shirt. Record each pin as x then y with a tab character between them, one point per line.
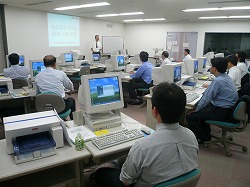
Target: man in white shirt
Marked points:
165	58
16	71
242	63
171	151
233	71
187	55
52	80
96	46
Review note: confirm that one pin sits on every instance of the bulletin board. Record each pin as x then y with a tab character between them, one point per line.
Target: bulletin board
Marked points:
112	43
178	41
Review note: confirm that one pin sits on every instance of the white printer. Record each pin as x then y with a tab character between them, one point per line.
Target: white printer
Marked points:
33	136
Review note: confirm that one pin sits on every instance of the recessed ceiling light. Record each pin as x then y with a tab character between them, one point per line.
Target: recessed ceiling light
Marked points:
214	9
120	14
136	20
82	6
226	17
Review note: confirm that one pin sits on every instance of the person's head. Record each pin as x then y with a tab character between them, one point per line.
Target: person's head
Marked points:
13	58
241	56
97	38
186	52
231	61
218	65
168	102
144	56
49	61
165	54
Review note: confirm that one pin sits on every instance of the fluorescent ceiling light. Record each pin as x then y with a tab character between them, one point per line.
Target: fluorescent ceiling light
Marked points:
82	6
153	19
121	14
226	17
215	9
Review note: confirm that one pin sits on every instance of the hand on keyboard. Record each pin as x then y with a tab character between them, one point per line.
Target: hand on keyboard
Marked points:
116	138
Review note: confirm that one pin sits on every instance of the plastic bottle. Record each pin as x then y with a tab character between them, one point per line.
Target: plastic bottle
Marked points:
79	142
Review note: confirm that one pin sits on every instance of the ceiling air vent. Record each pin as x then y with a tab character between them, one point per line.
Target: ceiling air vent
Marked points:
40	3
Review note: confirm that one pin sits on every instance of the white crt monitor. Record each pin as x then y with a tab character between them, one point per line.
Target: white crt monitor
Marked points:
191	67
101	92
202	62
36	66
209	56
118	62
67	58
167	73
219	55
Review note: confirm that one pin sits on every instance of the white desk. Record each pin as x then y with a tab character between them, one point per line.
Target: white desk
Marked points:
100	156
65	166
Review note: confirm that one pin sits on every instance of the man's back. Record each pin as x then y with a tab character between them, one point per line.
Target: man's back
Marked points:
144	72
51	80
235	74
17	72
169	152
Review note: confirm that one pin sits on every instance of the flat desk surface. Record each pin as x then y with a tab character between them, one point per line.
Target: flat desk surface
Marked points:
64	155
114	151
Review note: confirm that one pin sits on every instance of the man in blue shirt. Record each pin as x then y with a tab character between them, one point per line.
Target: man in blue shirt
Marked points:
216	102
142	77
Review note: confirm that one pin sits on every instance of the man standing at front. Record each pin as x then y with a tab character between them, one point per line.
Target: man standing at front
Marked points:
187	55
96	46
52	80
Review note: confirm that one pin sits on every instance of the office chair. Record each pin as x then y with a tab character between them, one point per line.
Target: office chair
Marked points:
50	101
85	70
189	179
239	114
19	83
245	79
144	91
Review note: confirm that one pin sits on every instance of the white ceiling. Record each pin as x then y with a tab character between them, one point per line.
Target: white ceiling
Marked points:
171	10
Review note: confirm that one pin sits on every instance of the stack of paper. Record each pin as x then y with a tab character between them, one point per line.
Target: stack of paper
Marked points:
85	132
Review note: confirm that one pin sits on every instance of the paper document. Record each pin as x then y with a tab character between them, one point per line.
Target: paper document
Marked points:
85	132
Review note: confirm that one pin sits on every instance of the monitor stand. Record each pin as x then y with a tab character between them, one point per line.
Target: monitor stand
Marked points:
106	120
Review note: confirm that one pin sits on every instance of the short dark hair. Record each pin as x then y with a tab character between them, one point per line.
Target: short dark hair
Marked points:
165	54
220	64
233	59
49	60
96	36
242	55
13	58
144	56
187	50
170	101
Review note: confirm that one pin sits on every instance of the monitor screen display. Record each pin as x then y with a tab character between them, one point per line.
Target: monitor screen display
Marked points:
177	74
104	90
37	67
21	60
204	63
68	57
195	66
120	60
96	57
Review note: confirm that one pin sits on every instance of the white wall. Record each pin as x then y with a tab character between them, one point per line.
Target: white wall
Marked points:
27	33
147	36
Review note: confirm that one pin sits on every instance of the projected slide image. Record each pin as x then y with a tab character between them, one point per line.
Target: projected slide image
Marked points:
120	60
195	66
63	30
104	90
37	67
177	74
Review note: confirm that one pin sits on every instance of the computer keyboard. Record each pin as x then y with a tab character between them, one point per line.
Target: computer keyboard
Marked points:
116	138
191	97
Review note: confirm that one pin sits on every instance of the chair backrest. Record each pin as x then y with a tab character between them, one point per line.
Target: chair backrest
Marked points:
245	79
240	113
19	83
189	179
49	101
85	70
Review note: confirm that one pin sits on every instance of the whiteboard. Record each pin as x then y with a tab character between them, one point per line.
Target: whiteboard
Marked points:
112	43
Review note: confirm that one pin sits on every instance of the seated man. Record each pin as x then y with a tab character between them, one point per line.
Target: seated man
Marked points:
242	62
216	102
172	150
142	77
52	80
16	71
233	71
165	58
